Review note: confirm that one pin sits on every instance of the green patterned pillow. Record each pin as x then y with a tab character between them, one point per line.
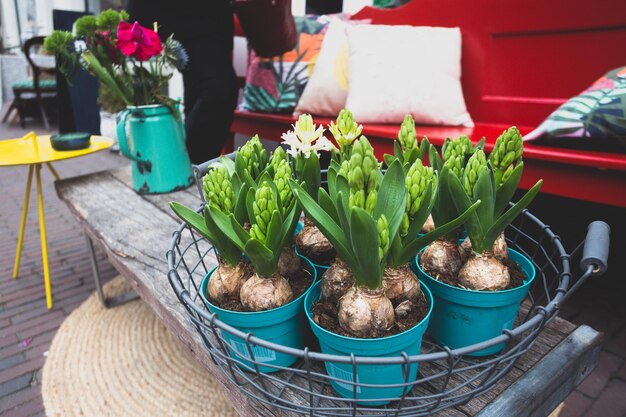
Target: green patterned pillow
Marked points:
594	119
274	85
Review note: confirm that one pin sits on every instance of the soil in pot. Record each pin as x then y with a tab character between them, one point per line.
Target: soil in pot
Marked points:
325	314
515	272
300	281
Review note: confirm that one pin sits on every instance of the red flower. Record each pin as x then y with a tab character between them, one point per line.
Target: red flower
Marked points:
137	41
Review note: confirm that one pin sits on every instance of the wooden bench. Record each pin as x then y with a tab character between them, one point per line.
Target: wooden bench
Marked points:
521	59
135	231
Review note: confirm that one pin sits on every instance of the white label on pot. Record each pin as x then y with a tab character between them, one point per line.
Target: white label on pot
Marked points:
337	372
260	353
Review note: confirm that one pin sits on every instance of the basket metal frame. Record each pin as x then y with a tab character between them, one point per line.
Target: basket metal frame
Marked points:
446	377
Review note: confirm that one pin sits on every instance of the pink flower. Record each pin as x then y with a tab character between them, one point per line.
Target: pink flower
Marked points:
137	41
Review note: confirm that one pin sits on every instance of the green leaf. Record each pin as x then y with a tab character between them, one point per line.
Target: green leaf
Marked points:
331	178
193	219
444	209
240	211
225	224
273	238
388	159
343	212
507	189
425	149
391	199
224	245
311	174
249	204
414	247
510	215
289	226
229	164
364	239
484	190
326	203
462	202
434	159
324	222
264	261
480	144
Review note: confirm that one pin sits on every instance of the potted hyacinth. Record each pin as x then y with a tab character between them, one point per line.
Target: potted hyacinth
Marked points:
486	289
250	210
135	66
304	143
379	309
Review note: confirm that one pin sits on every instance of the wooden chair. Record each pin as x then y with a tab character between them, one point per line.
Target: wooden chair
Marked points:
36	89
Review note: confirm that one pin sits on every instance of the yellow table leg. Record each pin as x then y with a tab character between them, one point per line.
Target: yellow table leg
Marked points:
54	171
20	238
42	231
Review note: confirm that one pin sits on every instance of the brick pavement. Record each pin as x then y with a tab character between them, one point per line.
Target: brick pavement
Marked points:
27	328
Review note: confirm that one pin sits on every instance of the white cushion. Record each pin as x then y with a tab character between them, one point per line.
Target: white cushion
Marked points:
400	70
326	92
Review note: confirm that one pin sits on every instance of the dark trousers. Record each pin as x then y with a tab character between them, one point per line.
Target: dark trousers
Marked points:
210	96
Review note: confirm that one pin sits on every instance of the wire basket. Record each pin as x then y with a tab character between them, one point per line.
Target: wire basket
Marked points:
446	377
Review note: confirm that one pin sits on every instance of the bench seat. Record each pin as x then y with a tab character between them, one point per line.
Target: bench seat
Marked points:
584	175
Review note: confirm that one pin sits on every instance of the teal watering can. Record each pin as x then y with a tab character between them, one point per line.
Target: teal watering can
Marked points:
157	148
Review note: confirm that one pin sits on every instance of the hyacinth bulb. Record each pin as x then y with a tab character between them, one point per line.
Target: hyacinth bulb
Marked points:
365	313
336	281
443	257
499	249
288	262
259	294
226	281
484	273
312	243
401	284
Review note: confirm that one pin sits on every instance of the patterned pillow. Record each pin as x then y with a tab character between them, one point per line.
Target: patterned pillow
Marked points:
594	119
274	85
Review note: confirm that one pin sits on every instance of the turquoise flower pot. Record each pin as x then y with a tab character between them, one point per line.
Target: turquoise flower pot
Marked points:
320	269
283	326
157	148
409	342
464	317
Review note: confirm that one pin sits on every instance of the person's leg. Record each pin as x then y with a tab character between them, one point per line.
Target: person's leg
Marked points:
212	80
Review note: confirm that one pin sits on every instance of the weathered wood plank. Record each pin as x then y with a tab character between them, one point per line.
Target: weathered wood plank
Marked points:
135	232
541	389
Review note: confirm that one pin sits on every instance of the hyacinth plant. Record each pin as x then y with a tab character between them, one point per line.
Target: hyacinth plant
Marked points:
445	255
421	183
249	210
305	142
360	214
479	181
345	130
227	195
128	58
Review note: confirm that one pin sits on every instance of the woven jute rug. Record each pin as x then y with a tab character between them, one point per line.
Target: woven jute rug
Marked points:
123	362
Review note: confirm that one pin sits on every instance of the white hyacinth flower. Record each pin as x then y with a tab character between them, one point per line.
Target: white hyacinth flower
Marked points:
306	138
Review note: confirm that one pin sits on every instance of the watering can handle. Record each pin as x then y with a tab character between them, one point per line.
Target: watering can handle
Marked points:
121	137
121	133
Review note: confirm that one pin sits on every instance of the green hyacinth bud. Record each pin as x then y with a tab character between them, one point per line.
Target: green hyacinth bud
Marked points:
253	156
508	149
458	148
406	135
455	164
346	130
475	166
362	174
264	205
277	157
417	181
218	190
382	225
281	179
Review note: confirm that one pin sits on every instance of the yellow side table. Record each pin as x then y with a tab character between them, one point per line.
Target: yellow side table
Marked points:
34	151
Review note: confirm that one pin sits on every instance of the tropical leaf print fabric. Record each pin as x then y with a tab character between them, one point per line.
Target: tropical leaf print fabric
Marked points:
594	119
274	85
